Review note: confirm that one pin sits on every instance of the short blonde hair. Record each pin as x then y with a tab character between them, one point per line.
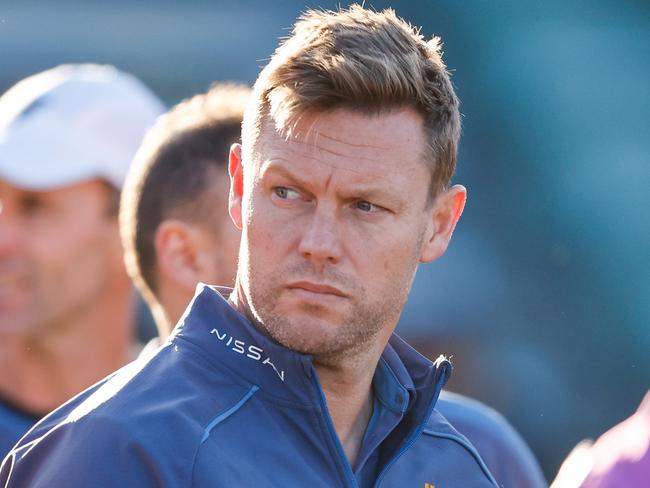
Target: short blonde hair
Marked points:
362	60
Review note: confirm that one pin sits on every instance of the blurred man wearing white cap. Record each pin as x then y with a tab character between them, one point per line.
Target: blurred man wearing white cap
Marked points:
67	136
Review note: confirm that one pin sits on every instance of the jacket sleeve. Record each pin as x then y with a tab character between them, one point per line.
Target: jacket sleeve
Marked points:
79	454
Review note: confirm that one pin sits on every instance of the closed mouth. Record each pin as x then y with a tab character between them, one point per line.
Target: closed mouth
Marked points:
319	288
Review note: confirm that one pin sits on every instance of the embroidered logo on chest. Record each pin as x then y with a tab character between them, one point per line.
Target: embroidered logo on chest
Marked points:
250	351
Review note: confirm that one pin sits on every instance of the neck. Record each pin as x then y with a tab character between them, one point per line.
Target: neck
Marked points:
45	368
347	386
346	380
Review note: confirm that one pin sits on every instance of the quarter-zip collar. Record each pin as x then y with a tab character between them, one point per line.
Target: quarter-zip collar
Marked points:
228	339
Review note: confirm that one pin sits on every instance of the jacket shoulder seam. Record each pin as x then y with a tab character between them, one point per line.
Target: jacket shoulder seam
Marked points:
216	421
467	446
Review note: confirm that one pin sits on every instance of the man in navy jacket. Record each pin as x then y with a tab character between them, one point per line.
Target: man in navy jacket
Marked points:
177	232
295	378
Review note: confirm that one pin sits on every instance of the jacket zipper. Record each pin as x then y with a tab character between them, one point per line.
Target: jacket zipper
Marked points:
349	475
418	431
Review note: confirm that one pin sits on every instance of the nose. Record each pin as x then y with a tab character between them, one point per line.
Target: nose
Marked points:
321	239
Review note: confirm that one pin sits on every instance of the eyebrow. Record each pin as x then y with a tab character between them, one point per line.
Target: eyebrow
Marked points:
275	166
362	192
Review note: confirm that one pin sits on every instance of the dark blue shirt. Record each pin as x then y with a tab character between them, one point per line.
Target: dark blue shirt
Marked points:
13	424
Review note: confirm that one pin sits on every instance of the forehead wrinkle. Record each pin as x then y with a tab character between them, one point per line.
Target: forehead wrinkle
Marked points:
290	164
310	140
314	146
315	134
325	136
307	139
275	142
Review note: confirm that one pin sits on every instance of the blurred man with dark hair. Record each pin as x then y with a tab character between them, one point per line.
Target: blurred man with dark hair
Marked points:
174	217
341	187
67	136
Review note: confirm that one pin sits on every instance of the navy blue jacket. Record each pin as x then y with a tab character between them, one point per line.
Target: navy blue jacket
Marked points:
13	424
221	405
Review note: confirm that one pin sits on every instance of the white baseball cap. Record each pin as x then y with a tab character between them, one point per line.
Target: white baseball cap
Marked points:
73	123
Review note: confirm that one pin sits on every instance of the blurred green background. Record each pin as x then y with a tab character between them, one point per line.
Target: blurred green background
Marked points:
543	300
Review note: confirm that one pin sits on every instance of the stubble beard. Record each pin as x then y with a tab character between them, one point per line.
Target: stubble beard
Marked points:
321	334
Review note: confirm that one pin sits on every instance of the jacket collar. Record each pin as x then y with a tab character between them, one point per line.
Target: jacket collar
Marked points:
229	339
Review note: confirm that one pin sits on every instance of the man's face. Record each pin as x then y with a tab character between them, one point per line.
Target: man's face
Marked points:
58	252
334	222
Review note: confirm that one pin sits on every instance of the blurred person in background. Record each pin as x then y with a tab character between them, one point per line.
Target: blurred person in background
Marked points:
619	458
174	218
67	137
176	233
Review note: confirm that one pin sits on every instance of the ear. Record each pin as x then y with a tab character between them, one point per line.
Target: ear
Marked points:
236	172
444	215
177	254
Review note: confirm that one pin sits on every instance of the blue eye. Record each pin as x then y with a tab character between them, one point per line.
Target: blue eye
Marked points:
366	206
285	193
